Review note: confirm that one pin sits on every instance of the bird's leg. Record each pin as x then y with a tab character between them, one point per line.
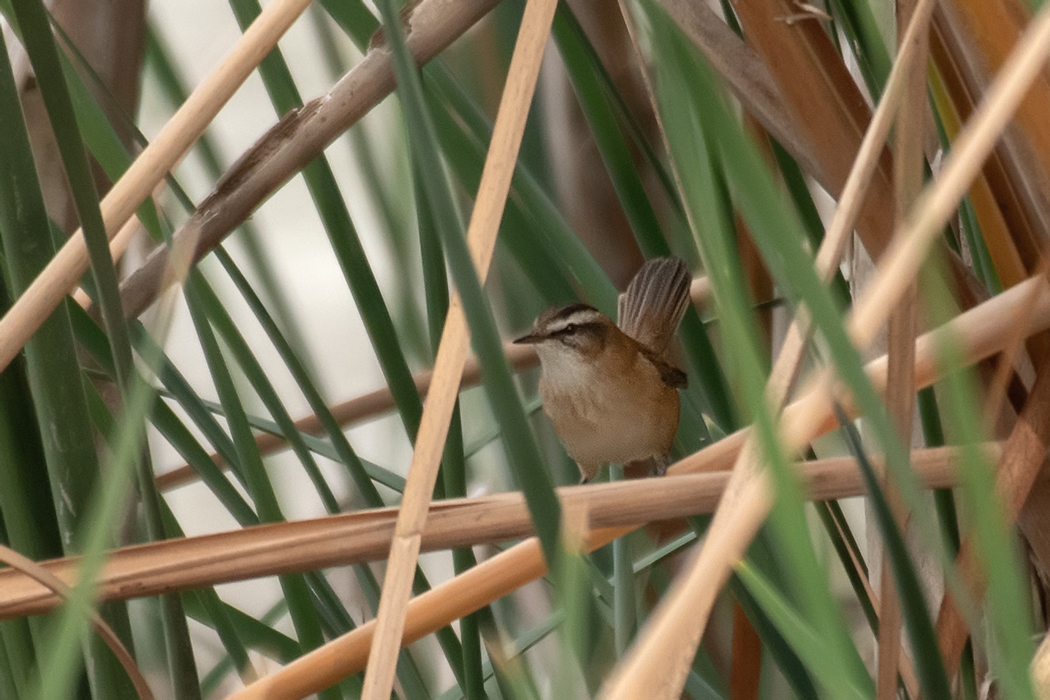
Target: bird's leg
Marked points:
660	465
588	472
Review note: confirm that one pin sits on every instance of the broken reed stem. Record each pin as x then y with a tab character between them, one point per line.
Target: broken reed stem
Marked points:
151	166
488	209
979	333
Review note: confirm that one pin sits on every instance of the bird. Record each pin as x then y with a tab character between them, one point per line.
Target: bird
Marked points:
607	389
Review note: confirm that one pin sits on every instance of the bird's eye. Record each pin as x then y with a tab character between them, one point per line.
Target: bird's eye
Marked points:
570	328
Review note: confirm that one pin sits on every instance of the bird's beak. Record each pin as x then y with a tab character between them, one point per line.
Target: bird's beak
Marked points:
530	339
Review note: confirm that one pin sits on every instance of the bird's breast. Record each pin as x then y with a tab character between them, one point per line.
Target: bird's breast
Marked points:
620	414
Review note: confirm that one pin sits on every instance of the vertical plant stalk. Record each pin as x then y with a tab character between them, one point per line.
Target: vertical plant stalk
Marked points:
452	351
149	169
900	392
454	462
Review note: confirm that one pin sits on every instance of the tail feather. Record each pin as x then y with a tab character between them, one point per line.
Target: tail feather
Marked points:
655	301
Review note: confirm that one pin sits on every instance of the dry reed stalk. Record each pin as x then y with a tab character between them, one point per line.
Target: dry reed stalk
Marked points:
374	403
979	333
1024	453
660	659
354	538
903	325
36	572
489	204
146	172
934	207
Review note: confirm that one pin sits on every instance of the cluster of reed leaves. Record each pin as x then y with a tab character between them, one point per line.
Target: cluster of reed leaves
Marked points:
77	467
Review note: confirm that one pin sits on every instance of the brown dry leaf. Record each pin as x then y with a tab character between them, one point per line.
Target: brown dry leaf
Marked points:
825	102
748	78
994	28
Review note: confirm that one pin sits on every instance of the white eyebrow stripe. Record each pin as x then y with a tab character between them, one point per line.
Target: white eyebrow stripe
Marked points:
578	317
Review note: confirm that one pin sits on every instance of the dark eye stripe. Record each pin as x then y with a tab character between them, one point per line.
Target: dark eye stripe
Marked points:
577	328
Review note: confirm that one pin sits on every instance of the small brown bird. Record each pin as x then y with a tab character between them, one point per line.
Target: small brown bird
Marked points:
609	393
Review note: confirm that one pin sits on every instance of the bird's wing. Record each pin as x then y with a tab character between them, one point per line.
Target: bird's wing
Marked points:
669	374
655	300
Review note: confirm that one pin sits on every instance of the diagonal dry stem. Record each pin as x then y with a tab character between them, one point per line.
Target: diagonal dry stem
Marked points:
300	136
911	244
903	325
452	350
146	172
